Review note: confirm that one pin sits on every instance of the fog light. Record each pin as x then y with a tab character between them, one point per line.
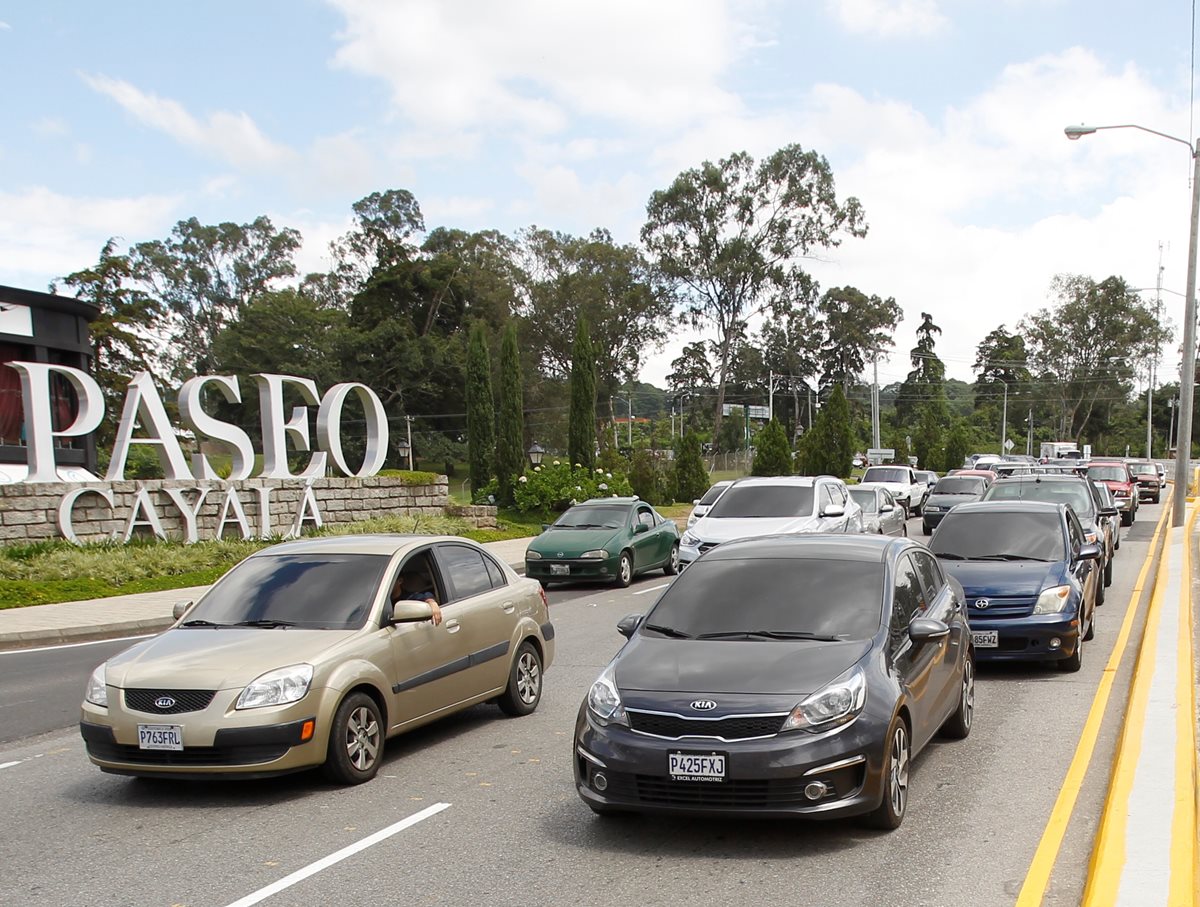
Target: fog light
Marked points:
815	790
599	781
1055	642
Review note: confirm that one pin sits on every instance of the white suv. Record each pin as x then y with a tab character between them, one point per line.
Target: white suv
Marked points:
773	506
907	490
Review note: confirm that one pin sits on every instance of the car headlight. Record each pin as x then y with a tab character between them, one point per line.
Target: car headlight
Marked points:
692	520
278	687
594	553
97	688
532	556
834	705
1053	600
933	508
604	702
690	540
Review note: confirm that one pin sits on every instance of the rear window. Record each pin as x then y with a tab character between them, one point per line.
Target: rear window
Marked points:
999	537
864	498
1111	473
712	494
886	474
1074	493
842	599
745	501
959	485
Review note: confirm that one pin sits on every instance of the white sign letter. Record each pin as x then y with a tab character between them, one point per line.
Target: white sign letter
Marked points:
39	423
190	535
66	526
142	503
193	416
234	503
276	431
329	428
142	402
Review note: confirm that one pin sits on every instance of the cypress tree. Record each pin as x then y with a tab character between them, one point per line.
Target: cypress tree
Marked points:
829	447
772	453
510	429
481	409
581	428
691	478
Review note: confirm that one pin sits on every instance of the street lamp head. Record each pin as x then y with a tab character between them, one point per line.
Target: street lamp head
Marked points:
1074	133
403	447
536	452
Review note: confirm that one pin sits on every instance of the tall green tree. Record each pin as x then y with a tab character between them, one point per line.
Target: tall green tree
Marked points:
858	328
829	447
510	429
731	235
958	446
691	477
481	409
926	383
581	431
772	452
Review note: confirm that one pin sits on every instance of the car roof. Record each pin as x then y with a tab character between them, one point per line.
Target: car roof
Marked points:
827	546
1039	478
381	543
800	481
1009	507
624	500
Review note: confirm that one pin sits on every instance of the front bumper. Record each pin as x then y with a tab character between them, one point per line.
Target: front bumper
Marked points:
578	569
1028	638
1149	492
765	778
931	518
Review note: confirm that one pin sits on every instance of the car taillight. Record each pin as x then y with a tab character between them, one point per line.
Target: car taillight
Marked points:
545	601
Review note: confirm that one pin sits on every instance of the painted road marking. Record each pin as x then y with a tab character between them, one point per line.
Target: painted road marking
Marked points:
9	764
325	862
75	645
651	589
1042	865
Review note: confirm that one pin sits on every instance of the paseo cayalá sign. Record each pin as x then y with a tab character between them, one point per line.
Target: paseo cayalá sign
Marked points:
144	409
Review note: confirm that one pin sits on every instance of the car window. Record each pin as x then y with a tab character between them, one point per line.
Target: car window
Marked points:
764	501
864	498
1072	492
907	597
495	574
594	516
841	599
1000	536
645	517
930	573
1106	473
1074	531
887	474
826	498
886	497
959	485
712	494
464	571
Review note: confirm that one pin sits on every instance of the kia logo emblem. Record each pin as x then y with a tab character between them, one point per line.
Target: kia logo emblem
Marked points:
164	702
703	705
982	603
559	554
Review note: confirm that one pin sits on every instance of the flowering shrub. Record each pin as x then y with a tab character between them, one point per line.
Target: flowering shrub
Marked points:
553	487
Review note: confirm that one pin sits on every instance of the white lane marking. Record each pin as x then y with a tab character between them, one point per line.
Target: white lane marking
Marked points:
325	862
651	589
10	764
75	645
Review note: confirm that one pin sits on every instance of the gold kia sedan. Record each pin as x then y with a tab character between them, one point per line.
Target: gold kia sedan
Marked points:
313	652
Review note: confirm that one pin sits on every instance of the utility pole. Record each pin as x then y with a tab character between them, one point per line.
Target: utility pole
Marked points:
1029	438
629	401
874	401
770	395
1004	422
1171	426
408	427
1153	359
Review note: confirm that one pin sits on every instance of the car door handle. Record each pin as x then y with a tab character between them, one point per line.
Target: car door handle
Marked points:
508	607
452	625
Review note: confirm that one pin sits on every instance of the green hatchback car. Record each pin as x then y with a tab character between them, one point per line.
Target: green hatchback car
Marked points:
604	540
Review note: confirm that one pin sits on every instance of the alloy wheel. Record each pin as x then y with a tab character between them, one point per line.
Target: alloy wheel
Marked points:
362	738
968	692
529	678
626	571
898	777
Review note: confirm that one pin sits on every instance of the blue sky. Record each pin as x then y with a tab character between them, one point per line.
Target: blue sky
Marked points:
944	117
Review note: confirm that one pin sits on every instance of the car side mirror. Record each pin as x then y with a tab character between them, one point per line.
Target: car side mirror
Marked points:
887	508
181	608
1108	511
1089	553
639	528
411	612
545	526
834	510
696	503
927	629
627	624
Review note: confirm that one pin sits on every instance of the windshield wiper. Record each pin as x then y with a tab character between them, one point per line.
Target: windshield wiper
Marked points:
951	556
266	624
200	622
667	631
769	634
1011	557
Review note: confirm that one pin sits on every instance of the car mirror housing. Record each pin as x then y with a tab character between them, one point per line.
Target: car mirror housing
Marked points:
887	508
1108	511
927	629
834	510
181	608
640	528
411	612
627	624
696	503
1089	553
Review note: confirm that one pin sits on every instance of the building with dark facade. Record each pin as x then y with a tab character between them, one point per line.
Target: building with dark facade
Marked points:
41	327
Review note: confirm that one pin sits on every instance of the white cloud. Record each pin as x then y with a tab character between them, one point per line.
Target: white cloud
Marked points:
51	127
4	26
44	234
534	65
233	137
889	18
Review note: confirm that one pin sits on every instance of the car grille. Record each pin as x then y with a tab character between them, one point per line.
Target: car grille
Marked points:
735	728
191	755
1001	608
653	790
185	701
706	546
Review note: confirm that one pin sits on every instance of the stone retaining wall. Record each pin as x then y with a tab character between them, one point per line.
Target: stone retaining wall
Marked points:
230	509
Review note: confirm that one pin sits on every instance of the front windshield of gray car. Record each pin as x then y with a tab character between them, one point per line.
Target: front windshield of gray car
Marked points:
764	501
956	485
1075	494
594	516
712	494
992	536
309	591
864	498
771	598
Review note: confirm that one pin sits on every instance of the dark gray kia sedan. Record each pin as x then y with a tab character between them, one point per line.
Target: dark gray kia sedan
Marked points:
781	676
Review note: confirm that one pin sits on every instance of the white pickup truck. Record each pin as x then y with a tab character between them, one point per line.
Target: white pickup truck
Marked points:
902	482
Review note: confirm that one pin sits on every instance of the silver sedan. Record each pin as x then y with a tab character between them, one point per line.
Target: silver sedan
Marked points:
881	515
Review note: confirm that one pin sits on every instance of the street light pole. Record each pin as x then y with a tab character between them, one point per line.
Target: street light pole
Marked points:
1004	421
1187	377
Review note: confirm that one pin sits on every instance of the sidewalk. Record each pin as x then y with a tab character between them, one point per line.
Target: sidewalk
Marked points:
130	615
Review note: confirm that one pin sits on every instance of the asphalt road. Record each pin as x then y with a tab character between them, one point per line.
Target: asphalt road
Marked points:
514	831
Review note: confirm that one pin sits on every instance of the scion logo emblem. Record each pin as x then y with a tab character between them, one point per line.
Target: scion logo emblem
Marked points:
559	554
164	702
703	705
982	603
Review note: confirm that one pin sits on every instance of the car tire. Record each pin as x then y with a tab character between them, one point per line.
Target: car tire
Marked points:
356	741
672	565
1100	592
1127	518
1108	570
904	530
958	725
925	530
1075	662
624	570
524	690
544	583
897	762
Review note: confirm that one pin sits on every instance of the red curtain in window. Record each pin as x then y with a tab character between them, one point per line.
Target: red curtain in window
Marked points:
11	413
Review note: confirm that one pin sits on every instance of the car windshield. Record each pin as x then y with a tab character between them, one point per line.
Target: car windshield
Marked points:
959	485
999	536
764	501
594	516
756	598
1142	469
712	494
1074	493
885	474
864	498
1108	473
311	591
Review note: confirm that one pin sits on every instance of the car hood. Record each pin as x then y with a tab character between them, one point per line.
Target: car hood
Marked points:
794	667
718	529
571	542
950	500
1008	579
206	658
